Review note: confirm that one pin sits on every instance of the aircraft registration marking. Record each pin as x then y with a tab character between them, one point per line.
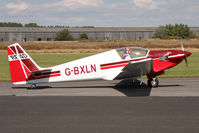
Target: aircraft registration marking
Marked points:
15	57
84	69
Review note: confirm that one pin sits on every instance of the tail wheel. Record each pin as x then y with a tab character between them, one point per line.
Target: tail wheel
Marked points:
153	82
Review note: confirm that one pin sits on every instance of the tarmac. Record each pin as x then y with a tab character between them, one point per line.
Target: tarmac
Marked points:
101	106
167	87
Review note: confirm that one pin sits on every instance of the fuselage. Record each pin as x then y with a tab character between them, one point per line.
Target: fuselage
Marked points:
109	64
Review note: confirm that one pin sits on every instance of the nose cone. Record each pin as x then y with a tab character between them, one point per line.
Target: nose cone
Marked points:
187	53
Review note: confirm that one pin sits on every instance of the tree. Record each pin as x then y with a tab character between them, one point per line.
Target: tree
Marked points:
170	30
160	32
179	30
31	25
64	35
83	36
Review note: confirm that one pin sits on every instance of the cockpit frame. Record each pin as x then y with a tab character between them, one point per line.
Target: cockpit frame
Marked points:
132	52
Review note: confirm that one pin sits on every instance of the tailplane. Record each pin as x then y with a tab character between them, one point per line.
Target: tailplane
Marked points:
21	64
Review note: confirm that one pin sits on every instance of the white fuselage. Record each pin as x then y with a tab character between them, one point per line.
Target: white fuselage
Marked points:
85	69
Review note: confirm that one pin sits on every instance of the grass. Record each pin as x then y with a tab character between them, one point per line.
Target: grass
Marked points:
50	60
182	70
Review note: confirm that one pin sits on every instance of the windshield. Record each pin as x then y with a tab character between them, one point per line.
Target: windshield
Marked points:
132	52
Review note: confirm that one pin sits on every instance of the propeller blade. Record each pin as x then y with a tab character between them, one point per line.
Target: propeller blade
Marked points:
182	45
185	58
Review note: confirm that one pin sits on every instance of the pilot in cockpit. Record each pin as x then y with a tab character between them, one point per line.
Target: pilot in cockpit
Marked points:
126	55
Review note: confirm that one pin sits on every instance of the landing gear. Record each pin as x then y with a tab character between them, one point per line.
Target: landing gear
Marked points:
153	82
33	86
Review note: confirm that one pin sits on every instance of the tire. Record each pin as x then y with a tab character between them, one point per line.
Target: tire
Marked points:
33	86
153	82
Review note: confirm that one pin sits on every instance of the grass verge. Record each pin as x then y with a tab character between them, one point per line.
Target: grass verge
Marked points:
181	70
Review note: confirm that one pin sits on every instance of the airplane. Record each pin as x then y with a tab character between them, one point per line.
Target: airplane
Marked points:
116	64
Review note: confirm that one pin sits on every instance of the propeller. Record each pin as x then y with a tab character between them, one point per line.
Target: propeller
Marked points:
182	45
185	56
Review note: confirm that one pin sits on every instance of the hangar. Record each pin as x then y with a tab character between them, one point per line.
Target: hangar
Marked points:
94	33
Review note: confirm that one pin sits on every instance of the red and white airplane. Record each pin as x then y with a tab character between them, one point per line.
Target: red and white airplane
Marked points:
121	63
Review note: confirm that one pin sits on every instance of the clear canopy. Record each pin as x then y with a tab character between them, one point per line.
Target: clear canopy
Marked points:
132	52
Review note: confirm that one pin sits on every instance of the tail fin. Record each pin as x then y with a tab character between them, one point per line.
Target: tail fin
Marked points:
21	64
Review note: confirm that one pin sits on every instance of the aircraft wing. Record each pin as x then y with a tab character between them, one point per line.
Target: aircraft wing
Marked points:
136	69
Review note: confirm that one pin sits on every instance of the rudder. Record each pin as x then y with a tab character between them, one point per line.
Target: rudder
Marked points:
21	64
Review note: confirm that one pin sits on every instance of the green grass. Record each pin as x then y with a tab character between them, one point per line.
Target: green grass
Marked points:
50	60
4	68
181	70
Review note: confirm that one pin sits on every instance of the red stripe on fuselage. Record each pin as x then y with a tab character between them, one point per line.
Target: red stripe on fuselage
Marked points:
55	72
109	67
52	74
41	73
121	62
118	64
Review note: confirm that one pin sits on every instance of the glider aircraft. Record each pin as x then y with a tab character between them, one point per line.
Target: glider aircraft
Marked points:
116	64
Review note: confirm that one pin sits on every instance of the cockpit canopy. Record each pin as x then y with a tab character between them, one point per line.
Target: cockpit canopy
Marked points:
132	52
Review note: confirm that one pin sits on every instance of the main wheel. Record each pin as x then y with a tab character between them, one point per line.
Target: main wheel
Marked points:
153	82
33	86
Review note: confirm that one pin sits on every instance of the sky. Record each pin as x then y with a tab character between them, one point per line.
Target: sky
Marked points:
101	13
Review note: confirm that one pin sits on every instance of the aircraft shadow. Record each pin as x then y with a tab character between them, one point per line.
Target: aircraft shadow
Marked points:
174	85
133	88
64	87
128	87
37	88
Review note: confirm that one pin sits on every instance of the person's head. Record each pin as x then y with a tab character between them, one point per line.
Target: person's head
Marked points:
127	51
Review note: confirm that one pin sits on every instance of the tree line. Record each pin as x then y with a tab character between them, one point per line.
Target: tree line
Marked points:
10	24
14	24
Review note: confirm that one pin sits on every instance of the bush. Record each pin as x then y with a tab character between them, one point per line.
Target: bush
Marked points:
179	30
31	25
83	36
160	32
64	35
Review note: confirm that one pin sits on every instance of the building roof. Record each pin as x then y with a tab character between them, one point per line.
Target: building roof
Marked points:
82	29
95	29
